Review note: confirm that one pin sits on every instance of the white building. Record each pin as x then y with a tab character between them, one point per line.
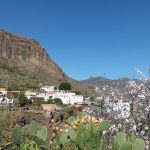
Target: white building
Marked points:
76	99
48	88
5	100
29	94
70	98
67	97
49	91
3	91
44	96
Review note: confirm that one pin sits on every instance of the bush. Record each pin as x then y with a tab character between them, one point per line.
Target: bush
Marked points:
37	102
22	101
69	111
56	101
65	86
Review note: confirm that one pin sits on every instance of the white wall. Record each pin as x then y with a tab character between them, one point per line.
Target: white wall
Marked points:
70	98
48	88
6	100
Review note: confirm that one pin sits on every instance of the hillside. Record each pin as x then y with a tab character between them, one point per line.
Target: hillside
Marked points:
118	85
101	81
25	63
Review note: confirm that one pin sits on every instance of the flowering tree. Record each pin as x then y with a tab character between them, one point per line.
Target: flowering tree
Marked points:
146	90
133	90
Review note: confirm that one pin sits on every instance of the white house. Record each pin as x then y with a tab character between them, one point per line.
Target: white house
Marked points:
76	99
5	100
48	88
70	98
3	91
30	94
44	96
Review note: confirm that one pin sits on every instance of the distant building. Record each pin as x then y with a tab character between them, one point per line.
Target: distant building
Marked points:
70	98
50	91
3	91
30	94
5	100
48	88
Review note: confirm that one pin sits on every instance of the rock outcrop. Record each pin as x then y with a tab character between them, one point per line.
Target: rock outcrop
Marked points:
28	59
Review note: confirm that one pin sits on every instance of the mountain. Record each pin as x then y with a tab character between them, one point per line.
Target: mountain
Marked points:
25	63
118	84
101	81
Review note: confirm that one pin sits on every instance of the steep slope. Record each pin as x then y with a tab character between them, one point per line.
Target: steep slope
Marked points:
25	63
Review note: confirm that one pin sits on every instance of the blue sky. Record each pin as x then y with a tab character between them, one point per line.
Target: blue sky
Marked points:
87	38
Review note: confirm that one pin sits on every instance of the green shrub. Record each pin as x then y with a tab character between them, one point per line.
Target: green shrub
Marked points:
22	100
65	86
37	102
56	101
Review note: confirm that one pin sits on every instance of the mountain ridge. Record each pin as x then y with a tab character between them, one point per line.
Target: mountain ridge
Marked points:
22	59
102	81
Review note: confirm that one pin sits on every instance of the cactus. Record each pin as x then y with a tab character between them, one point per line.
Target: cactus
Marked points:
62	138
67	136
33	128
120	138
121	142
126	146
81	115
40	138
17	135
138	144
42	134
70	121
71	134
91	129
103	126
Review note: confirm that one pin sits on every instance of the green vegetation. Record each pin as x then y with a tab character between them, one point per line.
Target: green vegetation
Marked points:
130	142
84	133
77	133
92	98
34	138
22	101
56	101
65	86
37	102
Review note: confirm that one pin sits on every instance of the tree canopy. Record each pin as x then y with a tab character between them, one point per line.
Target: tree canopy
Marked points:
65	86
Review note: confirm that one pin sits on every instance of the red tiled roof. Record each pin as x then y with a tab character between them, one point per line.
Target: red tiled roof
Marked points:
2	89
50	92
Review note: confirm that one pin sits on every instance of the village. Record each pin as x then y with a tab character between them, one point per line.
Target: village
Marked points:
47	92
44	93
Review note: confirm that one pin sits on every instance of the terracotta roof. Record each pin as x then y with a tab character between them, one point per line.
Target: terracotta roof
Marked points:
50	92
2	89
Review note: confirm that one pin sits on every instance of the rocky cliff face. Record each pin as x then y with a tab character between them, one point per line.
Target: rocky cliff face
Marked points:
27	58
